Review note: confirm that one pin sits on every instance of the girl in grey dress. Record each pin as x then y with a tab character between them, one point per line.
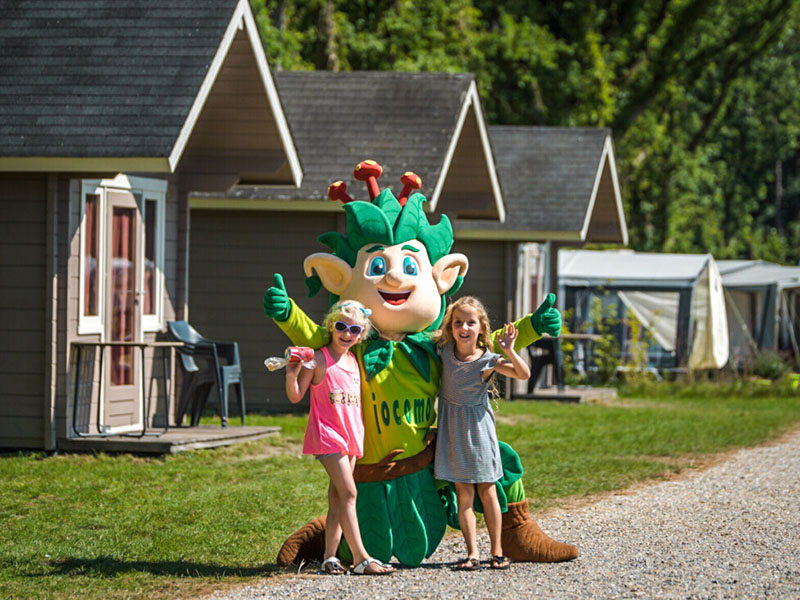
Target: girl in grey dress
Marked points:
467	452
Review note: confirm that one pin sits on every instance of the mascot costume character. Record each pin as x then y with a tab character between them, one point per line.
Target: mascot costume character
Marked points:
399	266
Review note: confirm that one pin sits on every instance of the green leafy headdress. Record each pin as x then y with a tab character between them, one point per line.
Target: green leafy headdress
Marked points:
386	220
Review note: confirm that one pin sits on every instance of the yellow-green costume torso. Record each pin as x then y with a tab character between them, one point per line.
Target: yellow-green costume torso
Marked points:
398	407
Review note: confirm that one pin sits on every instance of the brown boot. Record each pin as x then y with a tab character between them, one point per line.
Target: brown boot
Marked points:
305	544
524	541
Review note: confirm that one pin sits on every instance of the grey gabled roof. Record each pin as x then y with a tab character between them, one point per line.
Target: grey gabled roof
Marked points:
104	78
404	121
549	177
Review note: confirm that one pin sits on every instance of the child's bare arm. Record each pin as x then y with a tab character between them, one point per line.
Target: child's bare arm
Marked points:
297	381
299	378
512	365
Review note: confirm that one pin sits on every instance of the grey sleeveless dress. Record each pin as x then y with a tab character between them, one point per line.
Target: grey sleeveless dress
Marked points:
466	445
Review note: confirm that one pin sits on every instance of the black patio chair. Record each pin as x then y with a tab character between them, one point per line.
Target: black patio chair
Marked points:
552	355
205	363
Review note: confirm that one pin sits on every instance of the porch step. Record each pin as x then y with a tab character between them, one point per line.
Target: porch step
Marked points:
177	439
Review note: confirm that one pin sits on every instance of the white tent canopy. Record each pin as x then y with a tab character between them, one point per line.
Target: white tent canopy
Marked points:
763	301
658	311
678	297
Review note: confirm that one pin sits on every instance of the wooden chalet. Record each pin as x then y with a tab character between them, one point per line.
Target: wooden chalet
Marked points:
111	113
561	188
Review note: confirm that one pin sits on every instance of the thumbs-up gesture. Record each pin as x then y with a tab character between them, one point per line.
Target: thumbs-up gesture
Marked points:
547	319
276	301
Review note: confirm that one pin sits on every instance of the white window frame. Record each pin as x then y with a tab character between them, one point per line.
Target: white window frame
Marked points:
88	324
153	190
148	189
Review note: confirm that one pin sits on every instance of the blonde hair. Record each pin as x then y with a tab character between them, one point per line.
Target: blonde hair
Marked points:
445	334
351	310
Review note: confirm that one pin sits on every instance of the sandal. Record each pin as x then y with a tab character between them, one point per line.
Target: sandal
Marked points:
500	562
467	564
361	568
332	566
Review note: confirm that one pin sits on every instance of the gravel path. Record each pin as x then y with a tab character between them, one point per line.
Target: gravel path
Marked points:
731	531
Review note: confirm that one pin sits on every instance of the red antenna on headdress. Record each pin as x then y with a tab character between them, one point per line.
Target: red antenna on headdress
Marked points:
411	181
369	171
338	191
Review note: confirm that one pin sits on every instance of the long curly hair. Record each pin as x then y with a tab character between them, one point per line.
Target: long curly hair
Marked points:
445	334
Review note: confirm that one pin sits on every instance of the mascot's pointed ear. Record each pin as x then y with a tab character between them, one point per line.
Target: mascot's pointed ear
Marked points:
447	269
334	273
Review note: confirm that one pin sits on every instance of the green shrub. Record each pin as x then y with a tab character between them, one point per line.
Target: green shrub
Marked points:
724	384
571	375
606	350
770	365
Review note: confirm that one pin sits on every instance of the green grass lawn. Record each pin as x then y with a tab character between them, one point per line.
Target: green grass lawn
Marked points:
97	526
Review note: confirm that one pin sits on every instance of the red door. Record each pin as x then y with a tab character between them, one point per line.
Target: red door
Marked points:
122	408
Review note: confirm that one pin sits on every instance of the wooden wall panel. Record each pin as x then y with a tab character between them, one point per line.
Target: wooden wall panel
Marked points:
232	259
21	431
23	202
486	276
236	115
467	191
604	225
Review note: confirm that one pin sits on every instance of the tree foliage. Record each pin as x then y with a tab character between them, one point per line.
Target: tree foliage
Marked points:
701	95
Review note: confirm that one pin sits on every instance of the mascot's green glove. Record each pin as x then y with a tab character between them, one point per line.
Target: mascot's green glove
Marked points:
547	319
276	301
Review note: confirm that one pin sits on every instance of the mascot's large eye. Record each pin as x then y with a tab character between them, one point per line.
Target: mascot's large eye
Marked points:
410	266
377	266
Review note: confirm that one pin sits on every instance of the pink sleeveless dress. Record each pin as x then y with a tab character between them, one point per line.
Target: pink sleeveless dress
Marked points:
334	421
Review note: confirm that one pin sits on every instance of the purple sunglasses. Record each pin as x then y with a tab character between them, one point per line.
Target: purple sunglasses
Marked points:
342	326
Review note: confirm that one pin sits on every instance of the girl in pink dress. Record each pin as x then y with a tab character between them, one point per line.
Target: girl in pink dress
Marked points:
335	430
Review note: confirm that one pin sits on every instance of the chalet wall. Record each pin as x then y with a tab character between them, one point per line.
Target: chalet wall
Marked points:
487	277
605	221
58	365
23	248
492	278
175	212
467	192
233	255
236	131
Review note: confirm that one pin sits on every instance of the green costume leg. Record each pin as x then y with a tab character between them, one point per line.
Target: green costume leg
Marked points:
515	492
402	517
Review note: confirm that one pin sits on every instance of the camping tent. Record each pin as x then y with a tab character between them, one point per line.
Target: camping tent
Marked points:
677	297
763	301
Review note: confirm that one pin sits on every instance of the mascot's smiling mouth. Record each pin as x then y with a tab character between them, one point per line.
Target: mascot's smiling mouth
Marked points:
395	298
